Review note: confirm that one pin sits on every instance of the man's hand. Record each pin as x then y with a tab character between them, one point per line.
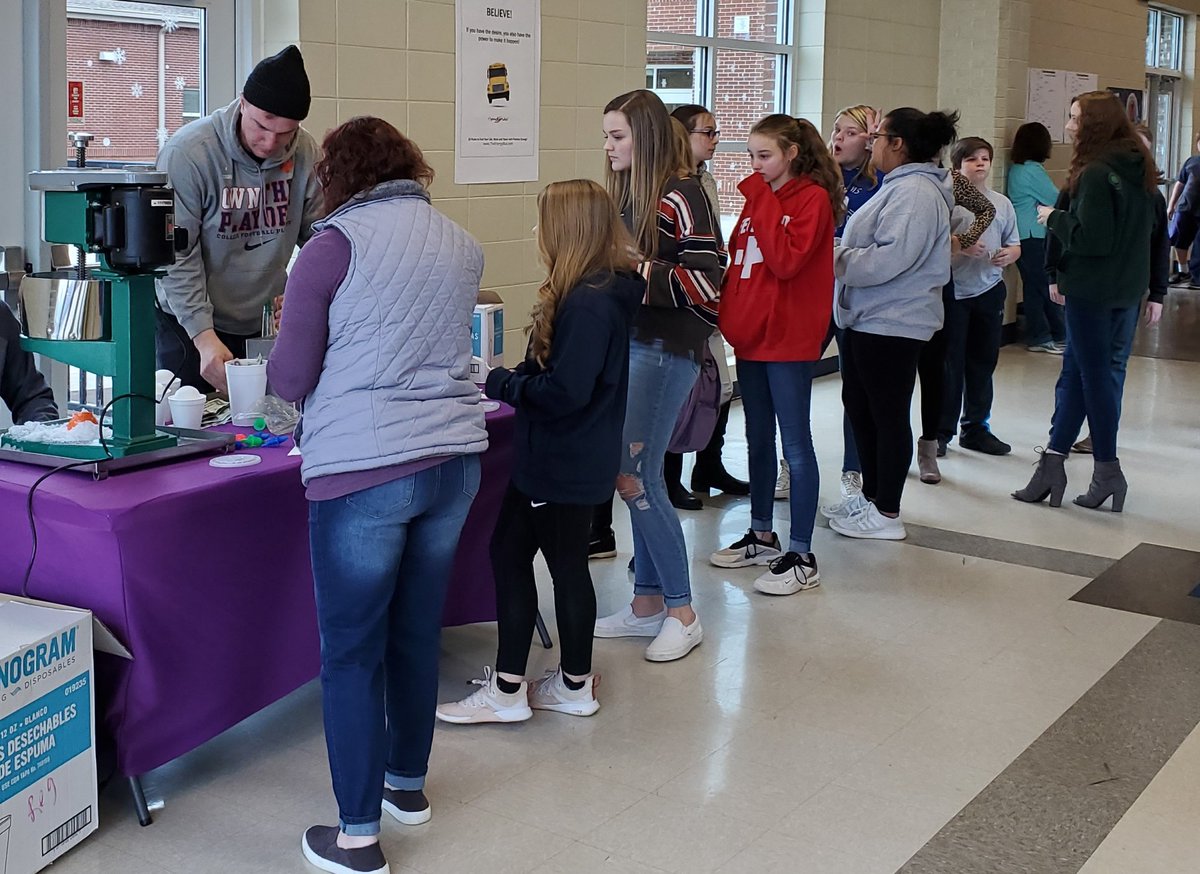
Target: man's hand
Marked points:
1056	297
1153	313
213	355
1007	255
1043	213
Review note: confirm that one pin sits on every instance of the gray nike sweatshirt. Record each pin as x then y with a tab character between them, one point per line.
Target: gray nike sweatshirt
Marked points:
243	220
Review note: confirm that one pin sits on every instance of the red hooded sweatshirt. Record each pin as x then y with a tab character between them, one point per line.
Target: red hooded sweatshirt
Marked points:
777	296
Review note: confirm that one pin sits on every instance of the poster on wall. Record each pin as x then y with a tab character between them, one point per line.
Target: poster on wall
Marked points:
1049	97
1134	101
498	69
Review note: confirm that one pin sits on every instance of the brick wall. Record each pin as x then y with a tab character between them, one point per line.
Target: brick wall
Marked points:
111	107
746	81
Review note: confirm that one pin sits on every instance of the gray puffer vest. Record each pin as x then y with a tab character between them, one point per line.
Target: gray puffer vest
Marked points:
395	386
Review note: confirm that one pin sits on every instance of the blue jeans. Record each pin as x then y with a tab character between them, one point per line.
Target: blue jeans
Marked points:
379	608
1043	317
1089	386
781	390
659	385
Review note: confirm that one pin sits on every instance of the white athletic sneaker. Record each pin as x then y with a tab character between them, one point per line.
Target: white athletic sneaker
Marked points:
552	693
789	574
869	524
747	551
851	483
488	704
846	507
624	624
783	485
675	640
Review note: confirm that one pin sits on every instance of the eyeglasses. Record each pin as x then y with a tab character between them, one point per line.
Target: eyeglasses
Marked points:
711	133
871	138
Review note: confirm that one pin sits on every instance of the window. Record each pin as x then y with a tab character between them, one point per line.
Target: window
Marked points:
1164	71
192	107
733	56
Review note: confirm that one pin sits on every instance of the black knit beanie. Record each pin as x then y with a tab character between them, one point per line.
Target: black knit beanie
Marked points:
279	85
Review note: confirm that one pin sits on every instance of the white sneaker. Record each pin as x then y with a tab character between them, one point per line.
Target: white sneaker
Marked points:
789	574
675	640
552	693
488	704
624	624
851	483
747	551
869	524
845	508
783	485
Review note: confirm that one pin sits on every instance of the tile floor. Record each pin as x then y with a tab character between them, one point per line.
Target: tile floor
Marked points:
833	731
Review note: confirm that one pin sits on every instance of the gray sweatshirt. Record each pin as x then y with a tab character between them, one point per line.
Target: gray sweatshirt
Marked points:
243	219
894	256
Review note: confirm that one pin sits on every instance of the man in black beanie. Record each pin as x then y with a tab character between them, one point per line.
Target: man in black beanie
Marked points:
246	191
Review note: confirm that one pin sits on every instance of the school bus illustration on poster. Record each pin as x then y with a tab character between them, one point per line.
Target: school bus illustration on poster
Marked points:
497	82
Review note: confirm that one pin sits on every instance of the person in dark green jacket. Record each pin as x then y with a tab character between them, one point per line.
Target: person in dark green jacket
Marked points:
1103	273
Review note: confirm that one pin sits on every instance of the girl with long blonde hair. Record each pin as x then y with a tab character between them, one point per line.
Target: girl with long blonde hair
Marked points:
674	231
570	395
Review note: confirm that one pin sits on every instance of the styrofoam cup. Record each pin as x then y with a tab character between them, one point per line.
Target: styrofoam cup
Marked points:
186	412
247	380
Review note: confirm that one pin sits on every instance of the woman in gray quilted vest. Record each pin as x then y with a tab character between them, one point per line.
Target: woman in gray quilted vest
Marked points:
375	342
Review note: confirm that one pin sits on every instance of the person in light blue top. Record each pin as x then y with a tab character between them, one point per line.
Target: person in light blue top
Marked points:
1028	186
975	313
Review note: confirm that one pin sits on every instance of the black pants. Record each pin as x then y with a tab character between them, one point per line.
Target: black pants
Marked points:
560	531
931	372
878	377
177	353
972	333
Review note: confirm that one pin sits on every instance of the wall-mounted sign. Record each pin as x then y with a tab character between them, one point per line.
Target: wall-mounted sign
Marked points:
74	99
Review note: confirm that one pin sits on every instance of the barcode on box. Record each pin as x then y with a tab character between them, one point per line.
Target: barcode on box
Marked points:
67	830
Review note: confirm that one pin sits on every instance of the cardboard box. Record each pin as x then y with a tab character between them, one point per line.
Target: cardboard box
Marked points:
47	732
487	335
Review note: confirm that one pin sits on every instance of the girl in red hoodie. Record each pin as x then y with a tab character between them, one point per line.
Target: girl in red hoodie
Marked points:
775	309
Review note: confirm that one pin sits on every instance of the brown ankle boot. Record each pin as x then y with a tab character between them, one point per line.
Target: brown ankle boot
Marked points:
927	462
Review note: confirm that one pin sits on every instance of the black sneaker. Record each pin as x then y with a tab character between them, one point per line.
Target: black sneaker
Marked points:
409	806
320	848
1179	277
984	441
603	546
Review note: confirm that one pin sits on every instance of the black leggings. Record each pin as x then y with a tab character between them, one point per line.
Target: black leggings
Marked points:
560	531
931	370
878	377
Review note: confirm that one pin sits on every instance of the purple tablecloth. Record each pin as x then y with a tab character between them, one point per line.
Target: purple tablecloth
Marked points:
204	575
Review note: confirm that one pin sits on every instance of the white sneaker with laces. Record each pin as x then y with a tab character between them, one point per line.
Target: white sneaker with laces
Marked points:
869	524
851	483
789	574
783	485
846	507
624	624
747	551
551	692
675	640
488	704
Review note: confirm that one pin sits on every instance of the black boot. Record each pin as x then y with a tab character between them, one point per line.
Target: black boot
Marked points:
1050	478
1107	479
709	472
681	498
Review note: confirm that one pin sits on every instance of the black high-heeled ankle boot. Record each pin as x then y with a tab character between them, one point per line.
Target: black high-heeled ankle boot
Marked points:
1107	479
1050	479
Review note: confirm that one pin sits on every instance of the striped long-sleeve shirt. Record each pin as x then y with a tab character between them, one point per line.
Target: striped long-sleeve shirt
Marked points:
683	280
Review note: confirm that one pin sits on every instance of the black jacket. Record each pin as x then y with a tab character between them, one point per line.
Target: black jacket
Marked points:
571	413
22	386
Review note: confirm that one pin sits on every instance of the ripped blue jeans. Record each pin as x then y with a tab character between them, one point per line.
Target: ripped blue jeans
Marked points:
659	385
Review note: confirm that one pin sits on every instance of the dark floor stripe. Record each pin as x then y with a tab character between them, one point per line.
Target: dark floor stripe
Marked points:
1052	807
1046	558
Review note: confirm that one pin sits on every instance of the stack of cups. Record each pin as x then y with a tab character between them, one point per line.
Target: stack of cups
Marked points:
187	408
165	385
247	380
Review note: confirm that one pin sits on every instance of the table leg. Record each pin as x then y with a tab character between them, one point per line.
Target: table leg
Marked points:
540	624
139	801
